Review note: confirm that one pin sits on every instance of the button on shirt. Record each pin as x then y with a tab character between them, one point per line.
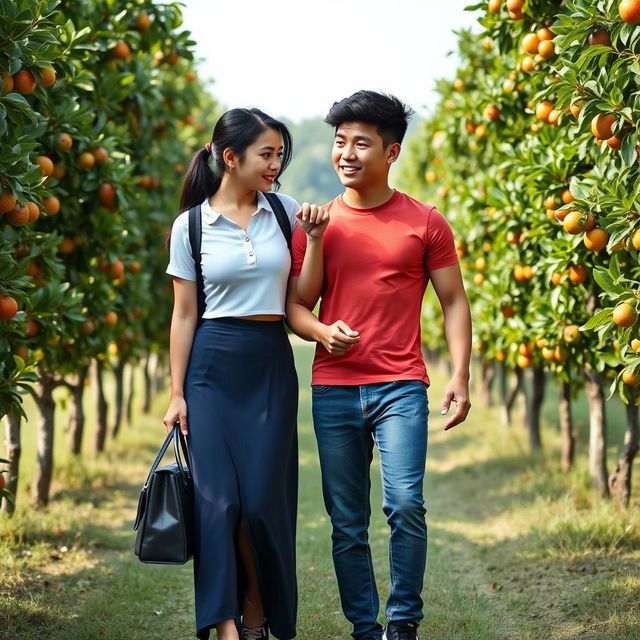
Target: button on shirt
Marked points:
245	272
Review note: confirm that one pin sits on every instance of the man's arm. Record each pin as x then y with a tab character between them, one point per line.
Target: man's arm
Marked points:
447	283
335	338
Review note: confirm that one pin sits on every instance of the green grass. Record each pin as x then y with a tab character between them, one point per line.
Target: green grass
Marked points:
517	550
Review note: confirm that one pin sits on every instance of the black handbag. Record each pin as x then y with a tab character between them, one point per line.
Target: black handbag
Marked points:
164	522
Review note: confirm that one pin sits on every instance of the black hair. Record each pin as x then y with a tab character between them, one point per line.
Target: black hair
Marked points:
236	129
388	113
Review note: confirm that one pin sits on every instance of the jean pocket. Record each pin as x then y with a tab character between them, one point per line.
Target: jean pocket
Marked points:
319	389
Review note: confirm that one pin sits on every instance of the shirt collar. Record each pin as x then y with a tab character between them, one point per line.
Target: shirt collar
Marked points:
209	216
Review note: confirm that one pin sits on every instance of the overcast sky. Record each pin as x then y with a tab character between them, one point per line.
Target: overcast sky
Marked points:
295	58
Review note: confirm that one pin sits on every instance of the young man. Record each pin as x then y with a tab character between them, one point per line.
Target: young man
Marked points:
371	267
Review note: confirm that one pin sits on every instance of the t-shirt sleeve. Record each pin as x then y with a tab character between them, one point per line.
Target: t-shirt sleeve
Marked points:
298	249
440	246
180	259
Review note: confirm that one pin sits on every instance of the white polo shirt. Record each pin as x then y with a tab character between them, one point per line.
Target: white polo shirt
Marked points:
244	273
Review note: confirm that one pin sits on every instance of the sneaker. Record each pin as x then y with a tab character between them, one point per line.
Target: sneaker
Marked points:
257	633
400	631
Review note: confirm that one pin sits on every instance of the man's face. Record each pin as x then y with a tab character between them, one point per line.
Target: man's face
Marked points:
360	157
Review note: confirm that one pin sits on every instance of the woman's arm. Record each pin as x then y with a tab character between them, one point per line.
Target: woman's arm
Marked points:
183	325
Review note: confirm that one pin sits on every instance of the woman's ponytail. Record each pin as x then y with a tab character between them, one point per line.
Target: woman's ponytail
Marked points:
202	179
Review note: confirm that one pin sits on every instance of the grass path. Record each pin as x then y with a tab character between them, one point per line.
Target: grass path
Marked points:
516	551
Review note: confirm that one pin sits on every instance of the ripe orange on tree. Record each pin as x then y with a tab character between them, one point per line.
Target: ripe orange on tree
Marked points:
624	315
33	328
24	82
576	222
545	33
107	194
546	49
631	378
111	318
615	142
530	43
7	201
47	77
64	142
543	109
495	5
8	307
143	22
86	160
51	205
602	124
571	334
121	50
600	38
7	83
635	240
629	11
596	239
101	155
34	211
577	273
46	165
19	215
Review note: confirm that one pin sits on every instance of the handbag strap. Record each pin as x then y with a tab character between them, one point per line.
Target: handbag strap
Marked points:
176	436
195	240
281	216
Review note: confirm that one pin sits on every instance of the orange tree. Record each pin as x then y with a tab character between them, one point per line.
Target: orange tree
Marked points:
87	195
533	149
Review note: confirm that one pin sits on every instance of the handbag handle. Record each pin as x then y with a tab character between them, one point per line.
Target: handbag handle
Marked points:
179	437
175	435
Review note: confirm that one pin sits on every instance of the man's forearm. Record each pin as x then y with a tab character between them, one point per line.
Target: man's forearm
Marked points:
311	276
457	323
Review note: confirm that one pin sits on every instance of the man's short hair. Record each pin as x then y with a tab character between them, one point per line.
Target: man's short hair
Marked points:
388	113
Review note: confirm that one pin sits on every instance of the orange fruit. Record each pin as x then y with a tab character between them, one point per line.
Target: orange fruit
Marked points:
614	142
600	38
546	49
549	354
561	353
602	124
578	273
524	362
629	11
34	211
66	245
47	77
19	215
491	112
143	22
527	64
635	239
515	5
596	239
556	278
575	109
8	307
33	328
530	43
111	318
494	6
635	345
576	222
51	205
543	110
481	130
86	160
24	82
121	50
64	142
7	83
545	34
571	334
45	164
508	311
116	270
7	201
478	279
458	85
550	203
101	155
107	194
58	171
630	378
527	272
624	315
567	196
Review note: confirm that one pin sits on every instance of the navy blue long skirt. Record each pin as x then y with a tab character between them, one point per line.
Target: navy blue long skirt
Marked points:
241	391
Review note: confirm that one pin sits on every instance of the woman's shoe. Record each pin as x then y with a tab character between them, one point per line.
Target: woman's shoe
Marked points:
257	633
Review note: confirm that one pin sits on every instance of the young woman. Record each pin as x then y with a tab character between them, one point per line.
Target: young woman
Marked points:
234	389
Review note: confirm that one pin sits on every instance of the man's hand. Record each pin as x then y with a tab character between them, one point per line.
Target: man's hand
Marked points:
457	391
313	219
337	338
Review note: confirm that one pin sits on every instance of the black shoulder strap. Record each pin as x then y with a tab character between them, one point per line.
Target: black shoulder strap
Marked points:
281	216
195	240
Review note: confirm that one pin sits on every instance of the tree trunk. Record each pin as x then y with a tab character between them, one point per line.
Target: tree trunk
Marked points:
13	450
597	432
146	371
502	391
119	375
510	397
534	408
566	427
160	375
44	461
486	379
620	479
75	426
101	405
130	377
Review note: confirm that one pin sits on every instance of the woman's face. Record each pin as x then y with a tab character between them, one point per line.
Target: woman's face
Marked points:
261	162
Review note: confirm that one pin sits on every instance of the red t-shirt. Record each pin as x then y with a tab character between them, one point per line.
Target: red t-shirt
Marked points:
376	269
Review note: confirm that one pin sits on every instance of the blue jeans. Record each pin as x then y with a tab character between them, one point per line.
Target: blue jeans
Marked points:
347	421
